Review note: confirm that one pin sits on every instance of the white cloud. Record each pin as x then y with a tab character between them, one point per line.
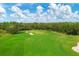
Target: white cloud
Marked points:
2	13
14	17
18	11
55	13
68	8
15	9
76	12
53	5
2	10
62	13
27	11
39	9
65	9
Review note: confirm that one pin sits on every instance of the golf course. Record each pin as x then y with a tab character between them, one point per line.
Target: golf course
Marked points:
39	29
41	43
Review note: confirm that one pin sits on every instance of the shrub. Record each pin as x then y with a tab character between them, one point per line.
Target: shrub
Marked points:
12	30
2	31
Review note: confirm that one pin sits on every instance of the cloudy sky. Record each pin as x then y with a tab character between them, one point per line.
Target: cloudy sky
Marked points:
39	12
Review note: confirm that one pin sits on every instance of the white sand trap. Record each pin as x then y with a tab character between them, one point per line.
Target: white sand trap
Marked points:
76	48
31	34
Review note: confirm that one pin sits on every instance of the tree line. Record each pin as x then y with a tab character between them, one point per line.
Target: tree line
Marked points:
64	27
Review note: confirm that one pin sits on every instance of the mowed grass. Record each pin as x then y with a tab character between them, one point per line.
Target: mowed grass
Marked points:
42	43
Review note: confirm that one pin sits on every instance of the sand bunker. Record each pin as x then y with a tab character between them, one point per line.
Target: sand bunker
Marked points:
31	34
76	48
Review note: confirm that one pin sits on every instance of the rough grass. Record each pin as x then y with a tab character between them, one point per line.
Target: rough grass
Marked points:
42	43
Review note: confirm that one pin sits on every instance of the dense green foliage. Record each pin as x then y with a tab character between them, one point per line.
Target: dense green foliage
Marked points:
68	28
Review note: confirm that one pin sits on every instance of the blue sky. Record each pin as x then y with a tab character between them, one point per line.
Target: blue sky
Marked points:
74	6
32	7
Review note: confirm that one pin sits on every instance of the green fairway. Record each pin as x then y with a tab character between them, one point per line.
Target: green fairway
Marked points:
42	43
